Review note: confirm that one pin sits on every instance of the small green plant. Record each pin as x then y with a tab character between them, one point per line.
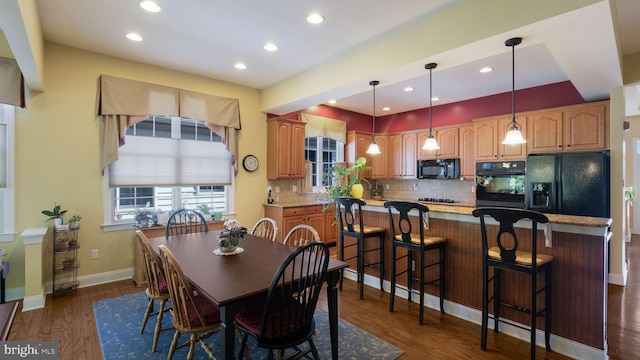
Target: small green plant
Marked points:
340	179
76	217
629	194
204	208
55	213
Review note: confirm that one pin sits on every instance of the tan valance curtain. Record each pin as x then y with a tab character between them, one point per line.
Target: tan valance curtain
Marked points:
123	102
11	83
326	127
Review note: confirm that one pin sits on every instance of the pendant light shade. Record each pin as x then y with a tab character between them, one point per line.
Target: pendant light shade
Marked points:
373	148
430	143
514	135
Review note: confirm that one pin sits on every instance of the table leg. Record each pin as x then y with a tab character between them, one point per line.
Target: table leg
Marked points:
228	328
332	303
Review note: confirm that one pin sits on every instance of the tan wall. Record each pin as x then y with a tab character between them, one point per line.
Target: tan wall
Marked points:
57	154
634	132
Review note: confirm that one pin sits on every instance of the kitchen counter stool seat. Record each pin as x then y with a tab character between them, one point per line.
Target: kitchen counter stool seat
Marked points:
507	255
404	236
350	223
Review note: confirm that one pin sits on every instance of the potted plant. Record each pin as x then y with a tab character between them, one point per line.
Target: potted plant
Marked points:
57	214
205	210
74	222
68	263
355	179
345	181
231	235
61	245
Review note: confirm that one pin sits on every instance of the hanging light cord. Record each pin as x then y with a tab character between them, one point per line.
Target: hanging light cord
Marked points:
374	83
430	99
513	85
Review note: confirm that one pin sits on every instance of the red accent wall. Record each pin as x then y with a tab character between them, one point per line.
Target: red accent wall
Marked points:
541	97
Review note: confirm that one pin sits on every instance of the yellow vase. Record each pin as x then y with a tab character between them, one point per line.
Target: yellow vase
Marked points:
357	190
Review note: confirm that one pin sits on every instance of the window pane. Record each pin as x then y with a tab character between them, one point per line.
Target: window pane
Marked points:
163	126
144	128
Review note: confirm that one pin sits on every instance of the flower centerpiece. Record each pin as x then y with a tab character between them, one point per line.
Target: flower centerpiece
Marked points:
230	235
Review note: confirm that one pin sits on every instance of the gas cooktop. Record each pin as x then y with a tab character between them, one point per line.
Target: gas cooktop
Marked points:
437	200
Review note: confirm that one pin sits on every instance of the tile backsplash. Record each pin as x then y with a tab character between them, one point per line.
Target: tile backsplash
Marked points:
282	191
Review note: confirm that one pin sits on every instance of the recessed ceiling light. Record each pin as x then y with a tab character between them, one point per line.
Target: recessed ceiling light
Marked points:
386	108
270	47
315	18
332	101
486	69
435	98
133	37
150	6
240	66
409	89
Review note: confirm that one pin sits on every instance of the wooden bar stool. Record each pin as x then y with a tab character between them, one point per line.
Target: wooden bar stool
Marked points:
349	213
507	255
403	236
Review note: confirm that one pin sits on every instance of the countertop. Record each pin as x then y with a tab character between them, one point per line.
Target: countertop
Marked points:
466	209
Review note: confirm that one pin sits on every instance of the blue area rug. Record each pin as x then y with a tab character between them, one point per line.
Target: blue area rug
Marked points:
118	321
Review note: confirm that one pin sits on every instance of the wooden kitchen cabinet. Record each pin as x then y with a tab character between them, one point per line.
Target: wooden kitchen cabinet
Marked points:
403	151
330	225
467	154
285	149
357	145
488	136
570	128
448	140
380	162
288	217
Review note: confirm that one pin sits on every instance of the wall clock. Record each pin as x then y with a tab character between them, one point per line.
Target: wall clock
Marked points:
250	163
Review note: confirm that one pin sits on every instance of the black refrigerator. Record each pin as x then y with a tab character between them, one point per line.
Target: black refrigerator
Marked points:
569	183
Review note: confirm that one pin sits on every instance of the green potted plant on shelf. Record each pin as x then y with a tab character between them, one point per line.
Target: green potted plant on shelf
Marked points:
56	214
74	221
68	263
205	210
345	181
61	245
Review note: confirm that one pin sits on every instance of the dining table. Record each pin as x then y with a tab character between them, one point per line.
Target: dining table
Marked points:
235	281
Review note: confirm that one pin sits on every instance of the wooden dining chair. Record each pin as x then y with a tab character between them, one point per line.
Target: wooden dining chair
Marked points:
193	313
157	289
265	228
186	221
285	319
300	235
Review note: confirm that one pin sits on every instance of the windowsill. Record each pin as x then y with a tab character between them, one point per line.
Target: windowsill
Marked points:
7	237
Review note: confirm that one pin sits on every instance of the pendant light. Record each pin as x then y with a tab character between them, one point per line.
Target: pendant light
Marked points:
430	143
373	148
514	136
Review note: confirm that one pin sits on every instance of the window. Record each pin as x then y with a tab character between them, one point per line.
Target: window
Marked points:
323	152
7	113
158	134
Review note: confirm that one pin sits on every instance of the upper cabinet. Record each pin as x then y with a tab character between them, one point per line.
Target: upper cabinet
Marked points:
357	145
488	136
380	162
447	139
467	155
403	150
569	128
285	149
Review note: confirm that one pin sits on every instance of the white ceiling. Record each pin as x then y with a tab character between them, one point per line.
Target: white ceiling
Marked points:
206	37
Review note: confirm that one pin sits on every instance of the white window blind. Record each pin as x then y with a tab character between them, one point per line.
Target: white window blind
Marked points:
3	155
152	161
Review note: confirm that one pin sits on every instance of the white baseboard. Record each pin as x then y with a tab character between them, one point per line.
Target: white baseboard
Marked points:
559	344
101	278
33	302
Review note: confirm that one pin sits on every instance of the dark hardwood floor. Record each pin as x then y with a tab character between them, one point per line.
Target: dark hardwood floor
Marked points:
69	320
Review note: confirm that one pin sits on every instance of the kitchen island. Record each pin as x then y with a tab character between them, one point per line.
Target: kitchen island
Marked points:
579	246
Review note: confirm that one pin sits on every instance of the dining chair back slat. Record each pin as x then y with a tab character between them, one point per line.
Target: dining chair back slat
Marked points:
265	228
186	221
300	235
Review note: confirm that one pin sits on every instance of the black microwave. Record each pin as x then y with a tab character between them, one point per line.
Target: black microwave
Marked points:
439	169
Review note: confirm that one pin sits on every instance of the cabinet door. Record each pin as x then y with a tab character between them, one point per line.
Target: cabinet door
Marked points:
410	152
485	139
511	152
544	132
330	226
357	145
282	153
584	128
296	151
395	156
467	158
289	222
448	142
316	221
426	154
379	162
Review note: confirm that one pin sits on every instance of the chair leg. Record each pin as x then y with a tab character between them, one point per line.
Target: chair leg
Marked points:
442	273
534	313
192	343
243	344
381	261
393	277
421	267
410	274
174	344
341	257
547	307
146	315
361	266
314	350
156	333
485	307
496	299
